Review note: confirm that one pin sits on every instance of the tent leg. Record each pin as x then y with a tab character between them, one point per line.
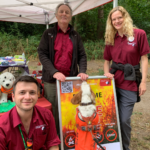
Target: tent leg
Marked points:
115	3
47	26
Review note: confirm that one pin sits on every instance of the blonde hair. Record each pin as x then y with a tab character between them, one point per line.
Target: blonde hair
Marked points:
127	26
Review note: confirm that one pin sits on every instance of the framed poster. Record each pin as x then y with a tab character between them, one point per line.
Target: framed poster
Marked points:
108	133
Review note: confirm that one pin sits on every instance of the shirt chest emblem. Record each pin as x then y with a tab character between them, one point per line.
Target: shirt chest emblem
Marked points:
40	126
132	43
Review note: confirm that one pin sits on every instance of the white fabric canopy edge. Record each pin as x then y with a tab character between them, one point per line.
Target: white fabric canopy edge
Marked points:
42	11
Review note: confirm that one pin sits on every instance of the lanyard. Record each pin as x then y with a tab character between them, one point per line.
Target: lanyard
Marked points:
22	137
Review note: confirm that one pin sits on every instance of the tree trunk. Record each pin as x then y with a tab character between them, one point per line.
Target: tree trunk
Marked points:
75	23
100	26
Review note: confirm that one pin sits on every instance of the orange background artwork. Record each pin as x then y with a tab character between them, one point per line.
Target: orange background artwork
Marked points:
105	104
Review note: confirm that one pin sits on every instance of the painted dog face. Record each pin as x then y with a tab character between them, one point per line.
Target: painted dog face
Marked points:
6	80
84	92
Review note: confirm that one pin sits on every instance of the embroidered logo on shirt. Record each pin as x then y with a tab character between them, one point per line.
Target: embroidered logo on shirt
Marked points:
40	126
133	43
131	39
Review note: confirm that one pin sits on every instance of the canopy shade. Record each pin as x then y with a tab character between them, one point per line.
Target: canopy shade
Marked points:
41	11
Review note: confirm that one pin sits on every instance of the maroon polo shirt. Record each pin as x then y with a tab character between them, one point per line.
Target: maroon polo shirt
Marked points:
63	52
125	51
42	130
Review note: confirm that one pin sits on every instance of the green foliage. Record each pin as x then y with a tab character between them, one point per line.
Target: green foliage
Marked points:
22	30
100	72
20	37
94	50
12	45
30	46
86	23
139	11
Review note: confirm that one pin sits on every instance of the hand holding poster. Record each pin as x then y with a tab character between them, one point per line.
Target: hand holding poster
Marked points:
106	130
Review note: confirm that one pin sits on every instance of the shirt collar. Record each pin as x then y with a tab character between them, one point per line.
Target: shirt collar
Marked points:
59	30
17	120
116	35
35	115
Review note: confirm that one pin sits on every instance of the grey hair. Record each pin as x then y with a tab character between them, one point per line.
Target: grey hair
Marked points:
61	5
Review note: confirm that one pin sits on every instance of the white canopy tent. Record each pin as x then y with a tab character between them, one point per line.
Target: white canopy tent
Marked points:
42	11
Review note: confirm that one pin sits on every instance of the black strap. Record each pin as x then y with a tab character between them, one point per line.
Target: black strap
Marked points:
96	140
131	73
129	70
85	104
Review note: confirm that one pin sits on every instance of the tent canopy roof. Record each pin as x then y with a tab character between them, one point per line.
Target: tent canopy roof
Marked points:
41	11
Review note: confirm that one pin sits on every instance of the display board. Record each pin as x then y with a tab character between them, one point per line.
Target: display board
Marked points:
108	134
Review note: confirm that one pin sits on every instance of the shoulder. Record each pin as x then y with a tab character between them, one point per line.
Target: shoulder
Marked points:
5	117
6	120
108	47
49	31
44	112
139	32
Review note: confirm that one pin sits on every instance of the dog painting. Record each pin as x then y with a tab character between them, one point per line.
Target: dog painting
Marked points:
86	118
6	82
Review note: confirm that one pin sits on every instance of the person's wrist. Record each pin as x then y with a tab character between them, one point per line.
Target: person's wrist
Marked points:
106	72
54	74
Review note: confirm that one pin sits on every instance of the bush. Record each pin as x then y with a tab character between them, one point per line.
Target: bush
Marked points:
148	37
12	45
94	50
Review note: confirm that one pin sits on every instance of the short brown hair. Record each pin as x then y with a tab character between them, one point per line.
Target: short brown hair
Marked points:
25	78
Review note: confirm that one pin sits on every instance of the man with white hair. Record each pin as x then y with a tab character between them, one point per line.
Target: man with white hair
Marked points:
61	53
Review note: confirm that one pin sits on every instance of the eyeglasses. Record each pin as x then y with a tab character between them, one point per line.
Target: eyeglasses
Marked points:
29	144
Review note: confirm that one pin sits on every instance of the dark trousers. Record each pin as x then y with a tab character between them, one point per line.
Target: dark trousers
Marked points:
126	100
51	96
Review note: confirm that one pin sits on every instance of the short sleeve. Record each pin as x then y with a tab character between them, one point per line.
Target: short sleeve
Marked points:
107	53
143	44
52	138
2	140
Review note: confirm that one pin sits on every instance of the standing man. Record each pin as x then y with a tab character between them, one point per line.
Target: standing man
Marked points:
61	53
27	126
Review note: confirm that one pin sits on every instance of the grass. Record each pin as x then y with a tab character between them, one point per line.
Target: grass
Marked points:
140	132
98	73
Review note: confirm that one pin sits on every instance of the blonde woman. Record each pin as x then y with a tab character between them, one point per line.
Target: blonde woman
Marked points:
125	47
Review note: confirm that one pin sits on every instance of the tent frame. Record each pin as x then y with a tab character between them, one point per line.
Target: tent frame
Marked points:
46	10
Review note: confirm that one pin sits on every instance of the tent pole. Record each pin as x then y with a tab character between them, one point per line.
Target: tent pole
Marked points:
46	19
65	1
115	3
47	26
